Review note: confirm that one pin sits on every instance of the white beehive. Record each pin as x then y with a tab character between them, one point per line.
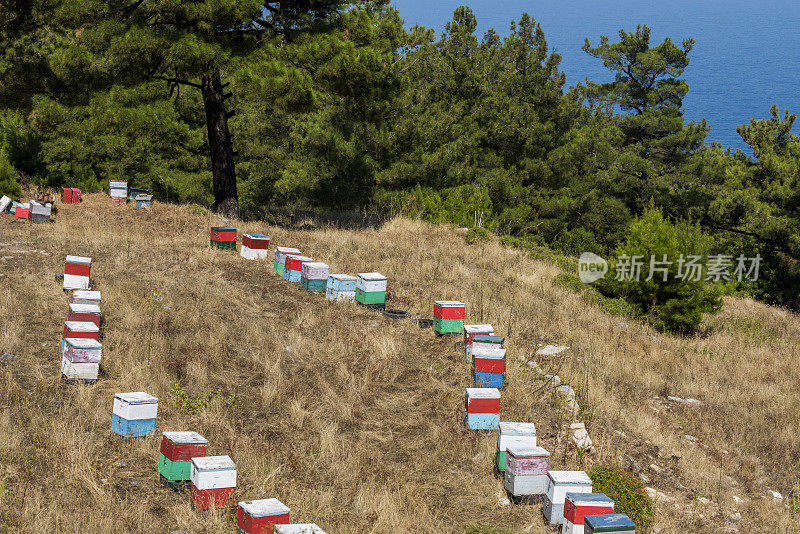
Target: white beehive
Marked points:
559	483
213	472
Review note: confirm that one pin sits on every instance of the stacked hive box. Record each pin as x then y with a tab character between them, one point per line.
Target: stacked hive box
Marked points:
298	528
254	246
513	434
4	202
79	330
76	272
341	288
371	290
578	505
118	192
261	516
481	408
608	524
293	268
134	414
176	453
223	237
472	330
280	258
526	470
136	191
143	201
213	480
40	213
559	483
484	342
80	359
448	317
314	276
70	195
83	296
83	312
21	210
489	365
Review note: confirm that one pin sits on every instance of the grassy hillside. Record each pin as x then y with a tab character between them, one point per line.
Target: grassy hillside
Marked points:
351	419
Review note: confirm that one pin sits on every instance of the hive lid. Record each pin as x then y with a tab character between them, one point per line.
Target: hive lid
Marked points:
482	393
605	522
569	477
449	303
78	259
488	353
343	277
298	528
222	229
517	429
478	328
184	437
83	343
136	397
85	294
256	235
80	307
522	451
485	338
589	499
144	197
371	276
81	326
264	507
286	250
316	265
213	463
298	257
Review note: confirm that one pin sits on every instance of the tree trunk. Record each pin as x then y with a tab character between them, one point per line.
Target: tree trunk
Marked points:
226	198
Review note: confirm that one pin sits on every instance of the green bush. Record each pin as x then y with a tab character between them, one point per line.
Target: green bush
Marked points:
569	281
478	234
9	184
626	491
192	405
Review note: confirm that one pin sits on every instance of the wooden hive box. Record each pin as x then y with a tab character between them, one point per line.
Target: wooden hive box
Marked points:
526	470
143	201
481	408
76	272
314	276
472	330
448	317
66	195
22	210
298	528
371	290
136	191
223	237
293	267
4	202
76	195
80	359
83	312
213	481
578	505
176	452
40	213
341	288
559	483
511	433
83	296
81	330
608	524
134	414
260	516
118	192
254	246
280	258
489	366
484	341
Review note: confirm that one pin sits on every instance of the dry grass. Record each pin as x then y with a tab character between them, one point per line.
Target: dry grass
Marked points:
353	420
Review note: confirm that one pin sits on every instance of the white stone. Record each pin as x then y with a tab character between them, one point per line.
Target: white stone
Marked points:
775	495
551	350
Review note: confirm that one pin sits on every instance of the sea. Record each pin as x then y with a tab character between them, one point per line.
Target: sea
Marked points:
743	61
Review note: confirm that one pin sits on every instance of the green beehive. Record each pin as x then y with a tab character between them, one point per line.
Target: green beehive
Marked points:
371	289
223	237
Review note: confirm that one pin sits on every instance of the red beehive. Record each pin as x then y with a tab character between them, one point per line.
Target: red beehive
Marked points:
81	330
79	312
295	263
449	310
484	364
76	195
261	516
252	241
482	400
66	195
23	211
180	452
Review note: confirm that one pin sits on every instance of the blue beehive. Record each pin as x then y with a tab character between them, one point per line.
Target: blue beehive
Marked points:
143	201
134	414
608	524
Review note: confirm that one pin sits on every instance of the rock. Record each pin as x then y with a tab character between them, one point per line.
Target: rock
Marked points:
136	483
535	367
566	391
775	495
8	356
551	350
529	527
120	463
178	532
556	380
478	457
737	499
580	437
736	516
690	438
645	479
655	468
504	502
657	495
703	500
104	480
521	358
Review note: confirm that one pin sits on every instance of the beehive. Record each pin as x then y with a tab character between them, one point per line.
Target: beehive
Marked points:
448	317
223	237
136	191
213	481
293	267
134	414
371	290
40	213
482	408
298	528
559	483
472	330
80	359
341	288
526	470
484	341
4	202
489	366
70	195
80	330
79	371
608	524
118	192
510	433
83	312
260	517
176	452
22	210
143	201
83	296
578	505
280	258
254	246
314	276
76	272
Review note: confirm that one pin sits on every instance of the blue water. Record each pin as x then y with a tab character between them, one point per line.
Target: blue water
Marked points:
744	58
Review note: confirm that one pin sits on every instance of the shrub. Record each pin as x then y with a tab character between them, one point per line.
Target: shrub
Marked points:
569	281
478	234
626	491
190	405
9	185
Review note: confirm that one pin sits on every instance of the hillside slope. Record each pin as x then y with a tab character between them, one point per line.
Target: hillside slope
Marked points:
351	419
